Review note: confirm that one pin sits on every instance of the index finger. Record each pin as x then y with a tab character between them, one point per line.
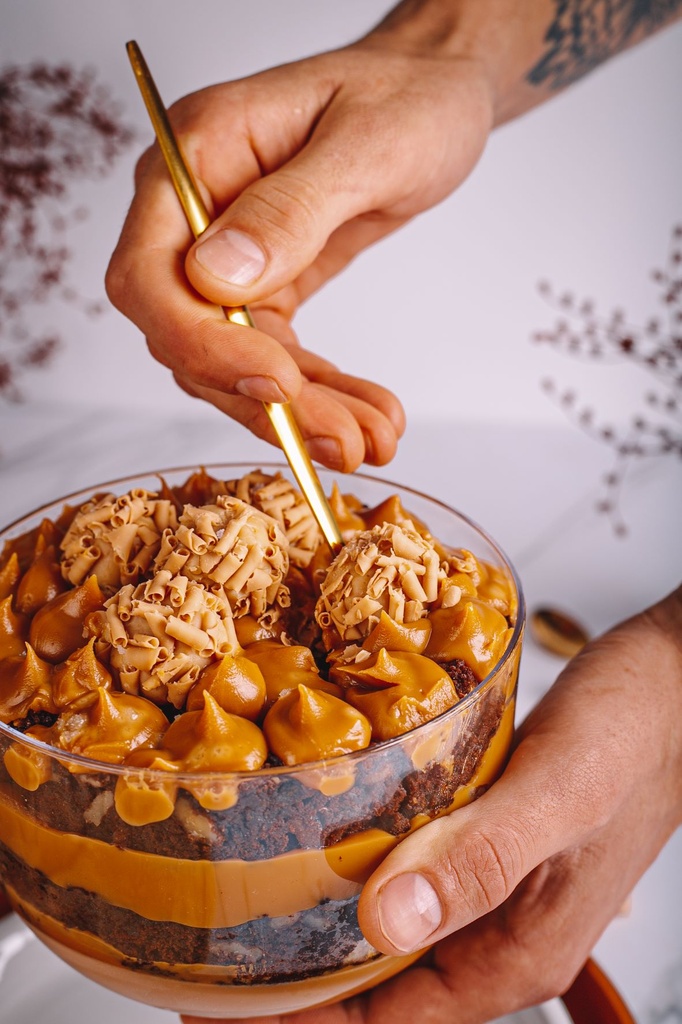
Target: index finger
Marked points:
146	281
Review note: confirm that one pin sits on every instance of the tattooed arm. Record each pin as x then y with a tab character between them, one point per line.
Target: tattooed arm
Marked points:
531	48
326	156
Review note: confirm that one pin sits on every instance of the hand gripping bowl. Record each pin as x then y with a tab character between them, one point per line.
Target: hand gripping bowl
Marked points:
229	893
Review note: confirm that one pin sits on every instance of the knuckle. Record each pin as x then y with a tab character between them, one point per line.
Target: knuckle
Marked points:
489	864
116	281
142	164
287	204
541	978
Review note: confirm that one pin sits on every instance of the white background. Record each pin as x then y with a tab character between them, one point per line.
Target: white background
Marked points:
582	192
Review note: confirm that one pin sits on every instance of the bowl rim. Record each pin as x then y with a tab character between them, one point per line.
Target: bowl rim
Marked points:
168	777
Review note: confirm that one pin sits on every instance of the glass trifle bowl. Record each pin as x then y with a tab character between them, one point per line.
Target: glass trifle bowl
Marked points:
192	794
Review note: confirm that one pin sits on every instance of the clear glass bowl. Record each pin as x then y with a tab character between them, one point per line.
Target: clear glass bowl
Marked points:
250	909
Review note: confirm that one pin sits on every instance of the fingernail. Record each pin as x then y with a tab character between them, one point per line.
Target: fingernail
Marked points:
409	911
265	389
232	256
326	450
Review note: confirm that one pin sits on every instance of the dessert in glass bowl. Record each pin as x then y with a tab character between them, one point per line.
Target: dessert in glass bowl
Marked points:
211	732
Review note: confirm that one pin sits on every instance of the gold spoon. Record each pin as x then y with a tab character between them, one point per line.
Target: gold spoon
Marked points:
280	414
558	632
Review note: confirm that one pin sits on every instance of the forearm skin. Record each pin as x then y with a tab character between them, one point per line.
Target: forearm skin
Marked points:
530	49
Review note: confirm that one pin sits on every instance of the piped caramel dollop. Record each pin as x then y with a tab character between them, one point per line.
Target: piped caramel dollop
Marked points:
25	685
235	682
58	628
474	632
284	667
397	690
115	538
76	681
213	740
10	574
398	636
13	629
41	582
310	725
108	729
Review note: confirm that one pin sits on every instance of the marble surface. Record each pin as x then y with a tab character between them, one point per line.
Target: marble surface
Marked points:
534	489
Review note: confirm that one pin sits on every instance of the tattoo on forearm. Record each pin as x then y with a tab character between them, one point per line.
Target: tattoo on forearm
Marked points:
584	33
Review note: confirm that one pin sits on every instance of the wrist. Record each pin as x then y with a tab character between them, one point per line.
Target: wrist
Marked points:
664	623
495	35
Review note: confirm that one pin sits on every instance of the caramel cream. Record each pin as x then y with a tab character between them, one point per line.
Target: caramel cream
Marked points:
213	740
57	629
9	576
474	631
107	729
25	685
396	690
310	725
284	667
41	582
235	682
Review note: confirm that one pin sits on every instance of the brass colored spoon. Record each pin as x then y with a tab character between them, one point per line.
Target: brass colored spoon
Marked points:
558	632
280	414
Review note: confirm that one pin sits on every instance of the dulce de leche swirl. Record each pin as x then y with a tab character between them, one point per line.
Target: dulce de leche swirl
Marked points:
309	725
396	690
108	729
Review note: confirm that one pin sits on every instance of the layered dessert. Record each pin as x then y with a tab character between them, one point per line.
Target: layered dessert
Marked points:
211	730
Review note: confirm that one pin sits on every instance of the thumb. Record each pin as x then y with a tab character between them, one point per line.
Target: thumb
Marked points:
460	867
279	224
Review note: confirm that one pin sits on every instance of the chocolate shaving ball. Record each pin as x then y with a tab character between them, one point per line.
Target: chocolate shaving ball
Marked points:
115	538
162	633
232	548
390	568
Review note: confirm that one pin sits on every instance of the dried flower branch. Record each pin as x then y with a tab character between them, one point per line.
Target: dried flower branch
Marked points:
57	125
656	348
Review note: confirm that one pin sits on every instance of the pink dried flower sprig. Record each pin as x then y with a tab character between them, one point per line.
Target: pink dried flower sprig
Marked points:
656	348
57	125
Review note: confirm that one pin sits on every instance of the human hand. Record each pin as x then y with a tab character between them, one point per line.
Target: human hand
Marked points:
303	166
514	890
